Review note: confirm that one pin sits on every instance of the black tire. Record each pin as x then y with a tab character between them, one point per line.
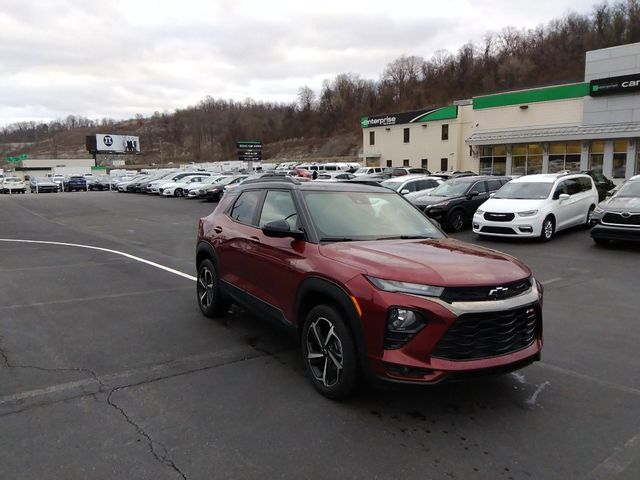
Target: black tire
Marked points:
210	299
328	353
589	213
548	229
455	221
178	192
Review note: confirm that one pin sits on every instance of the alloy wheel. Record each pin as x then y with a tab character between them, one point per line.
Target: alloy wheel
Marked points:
324	352
548	229
205	287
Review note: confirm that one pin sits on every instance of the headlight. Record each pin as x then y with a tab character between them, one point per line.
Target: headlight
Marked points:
405	287
598	210
479	212
528	213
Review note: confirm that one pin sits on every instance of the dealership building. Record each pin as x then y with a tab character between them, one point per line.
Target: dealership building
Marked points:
593	124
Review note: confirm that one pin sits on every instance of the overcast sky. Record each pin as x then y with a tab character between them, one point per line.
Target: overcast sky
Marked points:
121	57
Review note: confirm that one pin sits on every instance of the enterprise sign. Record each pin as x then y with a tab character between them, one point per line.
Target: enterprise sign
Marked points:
610	86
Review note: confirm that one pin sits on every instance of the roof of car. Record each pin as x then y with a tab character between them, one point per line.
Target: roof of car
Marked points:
411	176
311	186
547	177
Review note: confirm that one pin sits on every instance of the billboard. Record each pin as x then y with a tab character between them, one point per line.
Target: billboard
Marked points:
109	143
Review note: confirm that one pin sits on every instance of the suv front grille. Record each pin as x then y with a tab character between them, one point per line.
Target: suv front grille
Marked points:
499	217
618	219
488	334
479	294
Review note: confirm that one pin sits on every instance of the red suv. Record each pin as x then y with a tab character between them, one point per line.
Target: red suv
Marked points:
370	285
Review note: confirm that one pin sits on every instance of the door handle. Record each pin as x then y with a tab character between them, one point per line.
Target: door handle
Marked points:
218	229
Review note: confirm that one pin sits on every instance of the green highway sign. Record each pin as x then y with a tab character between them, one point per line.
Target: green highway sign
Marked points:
17	159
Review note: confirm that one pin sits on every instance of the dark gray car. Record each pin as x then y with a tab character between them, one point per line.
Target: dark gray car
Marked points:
618	217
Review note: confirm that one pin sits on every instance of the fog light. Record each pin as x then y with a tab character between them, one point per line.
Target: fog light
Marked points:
402	325
526	229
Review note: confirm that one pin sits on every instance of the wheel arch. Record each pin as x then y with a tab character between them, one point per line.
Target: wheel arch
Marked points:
315	291
204	250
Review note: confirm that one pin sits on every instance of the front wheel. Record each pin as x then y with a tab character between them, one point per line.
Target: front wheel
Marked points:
328	352
548	229
210	298
455	221
178	192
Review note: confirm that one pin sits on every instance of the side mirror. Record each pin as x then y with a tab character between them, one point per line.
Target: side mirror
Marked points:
473	194
492	194
280	229
405	191
609	193
564	196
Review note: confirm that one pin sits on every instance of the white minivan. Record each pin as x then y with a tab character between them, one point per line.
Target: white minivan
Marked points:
537	206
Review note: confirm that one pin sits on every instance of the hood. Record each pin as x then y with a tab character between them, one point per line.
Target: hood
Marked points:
509	205
439	262
433	199
413	196
621	204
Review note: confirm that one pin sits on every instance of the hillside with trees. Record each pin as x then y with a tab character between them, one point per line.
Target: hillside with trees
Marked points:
324	124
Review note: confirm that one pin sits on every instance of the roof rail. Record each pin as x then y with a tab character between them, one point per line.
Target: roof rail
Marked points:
272	179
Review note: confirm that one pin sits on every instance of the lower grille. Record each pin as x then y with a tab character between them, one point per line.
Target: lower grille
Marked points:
503	230
499	217
619	219
488	334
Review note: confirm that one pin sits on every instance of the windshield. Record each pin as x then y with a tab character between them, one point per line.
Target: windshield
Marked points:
392	184
362	170
344	216
450	188
629	189
226	180
524	190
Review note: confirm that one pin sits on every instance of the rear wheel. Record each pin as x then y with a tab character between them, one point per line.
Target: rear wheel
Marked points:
455	221
587	223
328	352
178	192
210	299
548	229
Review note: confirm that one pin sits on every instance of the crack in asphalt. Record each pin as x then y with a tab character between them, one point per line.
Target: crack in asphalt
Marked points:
161	456
156	448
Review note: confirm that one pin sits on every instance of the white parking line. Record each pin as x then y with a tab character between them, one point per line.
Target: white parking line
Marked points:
551	280
108	250
615	465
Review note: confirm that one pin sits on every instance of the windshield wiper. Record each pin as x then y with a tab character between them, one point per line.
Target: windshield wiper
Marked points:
336	239
405	237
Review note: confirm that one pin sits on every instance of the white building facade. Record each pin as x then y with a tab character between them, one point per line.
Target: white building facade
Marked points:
593	124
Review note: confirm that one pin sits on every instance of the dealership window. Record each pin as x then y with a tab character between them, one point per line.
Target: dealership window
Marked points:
526	159
389	163
443	164
564	156
405	162
425	162
372	138
493	160
596	156
620	158
445	131
406	135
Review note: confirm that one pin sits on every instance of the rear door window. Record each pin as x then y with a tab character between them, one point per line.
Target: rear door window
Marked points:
245	208
494	185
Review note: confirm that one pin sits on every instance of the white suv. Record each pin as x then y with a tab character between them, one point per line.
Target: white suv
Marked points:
537	206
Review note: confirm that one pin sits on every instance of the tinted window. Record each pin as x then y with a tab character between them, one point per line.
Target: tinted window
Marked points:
424	184
494	185
279	205
586	184
560	189
411	186
574	186
244	210
480	187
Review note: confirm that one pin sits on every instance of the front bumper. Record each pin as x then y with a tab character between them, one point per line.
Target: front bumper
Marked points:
422	360
526	227
621	233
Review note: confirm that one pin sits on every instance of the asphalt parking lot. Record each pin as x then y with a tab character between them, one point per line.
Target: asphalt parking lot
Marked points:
109	370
